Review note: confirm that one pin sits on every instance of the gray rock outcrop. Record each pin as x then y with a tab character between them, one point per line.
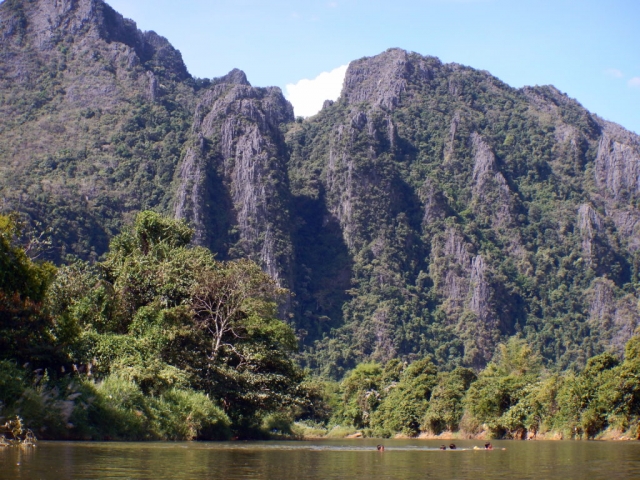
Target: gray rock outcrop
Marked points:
617	165
238	140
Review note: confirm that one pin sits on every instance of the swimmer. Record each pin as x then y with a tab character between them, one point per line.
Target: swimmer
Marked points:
488	446
452	446
443	447
380	448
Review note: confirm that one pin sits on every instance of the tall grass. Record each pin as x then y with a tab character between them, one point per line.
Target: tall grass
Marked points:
112	409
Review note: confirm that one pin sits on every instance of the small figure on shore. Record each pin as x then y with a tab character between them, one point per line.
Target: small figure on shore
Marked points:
453	446
380	448
488	446
443	447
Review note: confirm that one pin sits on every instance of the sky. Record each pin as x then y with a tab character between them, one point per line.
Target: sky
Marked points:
589	49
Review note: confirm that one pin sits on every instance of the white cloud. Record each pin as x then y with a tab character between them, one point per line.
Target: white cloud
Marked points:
307	96
635	82
613	73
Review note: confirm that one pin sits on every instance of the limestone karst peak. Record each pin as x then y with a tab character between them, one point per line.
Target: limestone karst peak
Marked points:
381	80
432	208
235	76
48	25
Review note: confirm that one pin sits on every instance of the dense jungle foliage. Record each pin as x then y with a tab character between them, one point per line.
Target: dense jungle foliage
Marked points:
161	341
462	214
513	397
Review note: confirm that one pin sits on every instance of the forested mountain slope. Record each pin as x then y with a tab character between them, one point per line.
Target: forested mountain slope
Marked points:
470	211
95	115
432	209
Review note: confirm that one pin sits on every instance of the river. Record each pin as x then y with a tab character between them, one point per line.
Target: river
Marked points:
324	459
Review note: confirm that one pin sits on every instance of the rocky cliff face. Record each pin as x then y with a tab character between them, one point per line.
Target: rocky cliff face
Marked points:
90	34
431	209
238	147
617	168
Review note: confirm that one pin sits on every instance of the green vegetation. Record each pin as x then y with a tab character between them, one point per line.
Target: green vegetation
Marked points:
513	397
25	329
158	341
100	150
161	341
432	210
459	217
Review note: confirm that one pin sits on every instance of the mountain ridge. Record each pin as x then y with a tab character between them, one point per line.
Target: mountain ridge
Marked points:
431	209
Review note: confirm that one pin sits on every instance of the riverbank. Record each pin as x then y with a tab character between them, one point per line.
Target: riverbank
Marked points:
305	432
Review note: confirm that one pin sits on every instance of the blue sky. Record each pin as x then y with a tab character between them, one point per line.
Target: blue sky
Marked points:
589	49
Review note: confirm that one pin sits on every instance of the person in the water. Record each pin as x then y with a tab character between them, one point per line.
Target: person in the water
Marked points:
488	446
443	447
380	448
453	446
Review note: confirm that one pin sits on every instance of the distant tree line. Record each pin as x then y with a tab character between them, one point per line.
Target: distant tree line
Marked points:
513	397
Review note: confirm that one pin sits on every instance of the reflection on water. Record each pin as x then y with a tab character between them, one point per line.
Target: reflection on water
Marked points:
353	459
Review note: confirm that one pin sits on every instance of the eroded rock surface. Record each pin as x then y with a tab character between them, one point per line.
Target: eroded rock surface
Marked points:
238	143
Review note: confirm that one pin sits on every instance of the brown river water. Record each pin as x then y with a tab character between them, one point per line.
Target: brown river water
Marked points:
323	459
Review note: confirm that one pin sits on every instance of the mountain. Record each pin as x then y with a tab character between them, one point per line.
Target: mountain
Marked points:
472	211
431	209
95	116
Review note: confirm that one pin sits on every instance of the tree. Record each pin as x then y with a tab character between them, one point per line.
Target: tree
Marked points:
405	403
360	395
445	405
18	274
165	315
246	347
507	380
25	329
222	297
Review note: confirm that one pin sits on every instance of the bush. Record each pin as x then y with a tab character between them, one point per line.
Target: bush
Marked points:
338	431
309	429
188	415
278	423
121	411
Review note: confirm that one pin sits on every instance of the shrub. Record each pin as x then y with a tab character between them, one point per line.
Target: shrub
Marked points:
188	415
